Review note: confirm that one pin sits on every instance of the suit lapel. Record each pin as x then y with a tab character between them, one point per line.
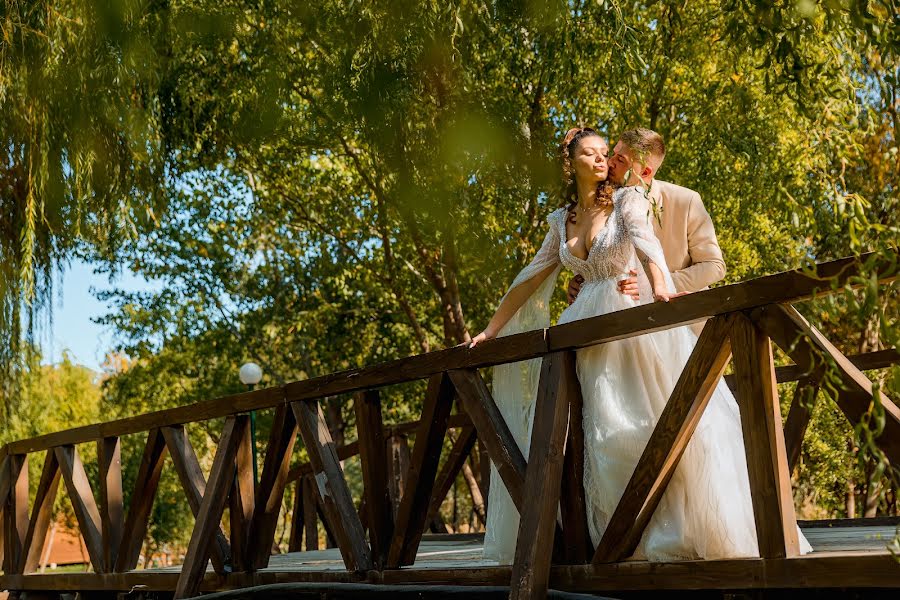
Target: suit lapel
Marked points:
657	198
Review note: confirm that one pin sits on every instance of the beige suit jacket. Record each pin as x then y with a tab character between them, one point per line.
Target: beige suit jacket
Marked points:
687	237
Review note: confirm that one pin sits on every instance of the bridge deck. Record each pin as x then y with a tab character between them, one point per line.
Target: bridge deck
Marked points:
465	551
843	556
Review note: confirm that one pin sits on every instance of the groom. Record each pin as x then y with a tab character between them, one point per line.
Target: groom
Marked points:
684	228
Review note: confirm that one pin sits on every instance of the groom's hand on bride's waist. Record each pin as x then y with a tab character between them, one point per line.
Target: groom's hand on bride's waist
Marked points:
574	288
629	285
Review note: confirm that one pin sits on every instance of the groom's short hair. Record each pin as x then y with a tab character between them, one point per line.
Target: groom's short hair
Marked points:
646	143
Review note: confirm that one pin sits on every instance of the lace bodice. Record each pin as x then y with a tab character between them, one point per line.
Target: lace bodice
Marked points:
627	237
613	249
610	253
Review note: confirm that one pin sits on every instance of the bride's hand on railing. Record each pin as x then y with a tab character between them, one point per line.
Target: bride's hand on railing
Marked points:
481	337
665	295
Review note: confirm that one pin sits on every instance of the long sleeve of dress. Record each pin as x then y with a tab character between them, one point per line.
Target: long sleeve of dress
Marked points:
636	215
535	313
515	392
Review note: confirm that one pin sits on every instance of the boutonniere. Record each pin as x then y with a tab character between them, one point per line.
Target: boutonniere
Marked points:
656	208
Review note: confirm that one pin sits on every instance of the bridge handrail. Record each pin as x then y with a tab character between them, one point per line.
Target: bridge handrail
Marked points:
785	287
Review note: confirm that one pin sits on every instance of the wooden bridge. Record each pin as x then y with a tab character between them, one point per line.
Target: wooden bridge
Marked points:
381	537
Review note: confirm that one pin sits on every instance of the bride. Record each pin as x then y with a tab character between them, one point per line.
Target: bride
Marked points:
601	233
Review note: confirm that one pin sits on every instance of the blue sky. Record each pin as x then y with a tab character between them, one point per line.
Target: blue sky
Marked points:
72	328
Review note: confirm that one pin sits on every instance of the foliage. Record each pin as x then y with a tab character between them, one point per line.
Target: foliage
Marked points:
52	398
80	158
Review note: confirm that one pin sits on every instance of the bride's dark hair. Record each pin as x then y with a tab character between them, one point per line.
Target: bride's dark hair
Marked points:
569	194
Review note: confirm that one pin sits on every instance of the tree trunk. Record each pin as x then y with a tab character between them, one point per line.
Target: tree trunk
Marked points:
335	421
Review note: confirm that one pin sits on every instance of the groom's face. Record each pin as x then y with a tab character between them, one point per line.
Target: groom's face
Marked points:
620	162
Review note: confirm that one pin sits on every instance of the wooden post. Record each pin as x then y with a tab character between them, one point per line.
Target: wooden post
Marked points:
576	540
112	510
770	481
410	523
241	502
373	460
272	483
142	497
221	477
83	503
332	487
295	541
310	518
667	443
15	513
398	470
531	568
41	514
184	459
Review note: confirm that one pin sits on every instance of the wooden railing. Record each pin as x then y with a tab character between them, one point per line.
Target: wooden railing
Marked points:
382	530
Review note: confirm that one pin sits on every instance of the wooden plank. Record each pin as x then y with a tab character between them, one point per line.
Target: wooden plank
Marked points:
887	521
142	497
667	443
5	481
529	344
295	541
576	540
209	516
828	570
272	483
492	431
798	419
41	514
241	502
112	509
770	480
815	573
373	459
453	464
531	567
812	352
85	507
310	518
362	511
411	517
332	486
790	286
2	526
190	413
398	471
193	482
15	512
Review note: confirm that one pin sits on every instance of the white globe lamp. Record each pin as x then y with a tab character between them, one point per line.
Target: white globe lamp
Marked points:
250	374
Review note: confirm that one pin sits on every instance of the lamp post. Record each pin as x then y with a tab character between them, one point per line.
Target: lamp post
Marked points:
251	374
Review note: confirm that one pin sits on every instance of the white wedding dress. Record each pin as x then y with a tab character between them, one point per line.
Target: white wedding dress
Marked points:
706	511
